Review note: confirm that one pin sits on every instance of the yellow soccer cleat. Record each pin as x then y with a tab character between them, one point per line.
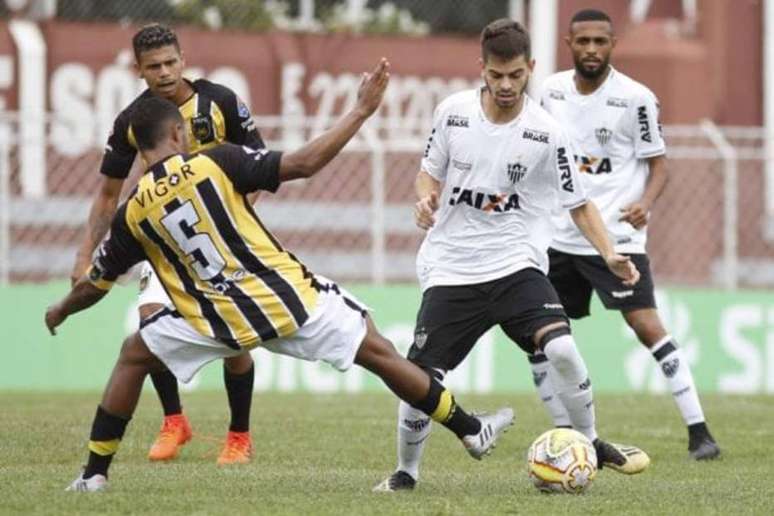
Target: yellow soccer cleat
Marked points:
175	432
622	458
237	450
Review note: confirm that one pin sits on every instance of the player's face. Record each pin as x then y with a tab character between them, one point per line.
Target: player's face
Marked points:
591	43
506	79
162	69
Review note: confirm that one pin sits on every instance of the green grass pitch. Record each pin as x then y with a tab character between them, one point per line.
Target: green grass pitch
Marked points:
322	454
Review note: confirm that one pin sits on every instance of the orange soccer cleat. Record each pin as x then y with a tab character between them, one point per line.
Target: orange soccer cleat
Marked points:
175	432
237	450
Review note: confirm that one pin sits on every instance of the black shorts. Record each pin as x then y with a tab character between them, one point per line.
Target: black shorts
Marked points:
452	318
574	276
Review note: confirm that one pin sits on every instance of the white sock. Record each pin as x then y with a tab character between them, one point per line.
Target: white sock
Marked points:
414	427
572	383
678	375
543	377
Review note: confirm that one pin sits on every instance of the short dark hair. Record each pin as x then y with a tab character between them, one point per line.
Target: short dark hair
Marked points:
506	39
155	35
148	119
585	15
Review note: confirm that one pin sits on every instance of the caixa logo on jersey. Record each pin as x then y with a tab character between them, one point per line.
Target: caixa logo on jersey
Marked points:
484	201
593	166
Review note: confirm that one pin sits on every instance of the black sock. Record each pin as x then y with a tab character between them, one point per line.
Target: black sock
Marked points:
698	431
239	388
165	384
440	405
106	433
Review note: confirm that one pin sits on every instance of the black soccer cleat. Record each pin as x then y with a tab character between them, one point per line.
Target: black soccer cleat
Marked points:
701	445
628	460
398	481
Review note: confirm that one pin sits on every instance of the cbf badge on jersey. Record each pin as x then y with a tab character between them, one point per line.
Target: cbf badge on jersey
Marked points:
202	129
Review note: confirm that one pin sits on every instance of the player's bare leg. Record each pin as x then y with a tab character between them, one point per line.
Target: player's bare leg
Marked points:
651	333
119	401
175	429
573	387
238	376
423	392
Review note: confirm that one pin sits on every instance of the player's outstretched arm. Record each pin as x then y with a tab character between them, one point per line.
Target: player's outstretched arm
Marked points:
309	159
83	295
101	214
589	221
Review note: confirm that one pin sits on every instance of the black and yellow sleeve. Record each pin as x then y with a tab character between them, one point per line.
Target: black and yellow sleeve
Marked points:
249	169
119	152
117	254
240	128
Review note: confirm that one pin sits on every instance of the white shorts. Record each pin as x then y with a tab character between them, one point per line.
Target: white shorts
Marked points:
333	333
151	290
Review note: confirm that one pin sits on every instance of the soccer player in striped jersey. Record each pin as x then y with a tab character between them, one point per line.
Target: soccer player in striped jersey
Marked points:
613	123
233	286
212	114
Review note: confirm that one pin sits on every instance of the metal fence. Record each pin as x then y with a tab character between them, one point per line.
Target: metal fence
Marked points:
354	220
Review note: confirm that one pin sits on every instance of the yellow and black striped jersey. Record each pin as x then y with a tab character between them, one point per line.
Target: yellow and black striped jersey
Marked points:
213	114
224	271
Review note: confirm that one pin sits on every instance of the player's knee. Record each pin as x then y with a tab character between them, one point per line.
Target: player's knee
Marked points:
134	352
239	364
558	345
375	351
646	325
550	332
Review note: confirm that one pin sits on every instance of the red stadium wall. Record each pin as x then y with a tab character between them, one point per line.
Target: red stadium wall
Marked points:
714	72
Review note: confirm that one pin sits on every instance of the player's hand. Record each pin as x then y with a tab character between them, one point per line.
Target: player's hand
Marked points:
635	214
372	87
624	268
54	317
424	211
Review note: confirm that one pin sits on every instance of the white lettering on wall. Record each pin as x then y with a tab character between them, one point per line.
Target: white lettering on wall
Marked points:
734	321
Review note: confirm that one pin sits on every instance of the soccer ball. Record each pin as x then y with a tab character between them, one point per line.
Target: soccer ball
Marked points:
562	461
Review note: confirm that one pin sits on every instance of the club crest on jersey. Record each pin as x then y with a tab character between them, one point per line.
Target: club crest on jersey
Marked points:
201	128
535	136
603	135
516	172
457	121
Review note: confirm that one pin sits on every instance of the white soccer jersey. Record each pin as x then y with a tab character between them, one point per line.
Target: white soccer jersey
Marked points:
614	130
501	183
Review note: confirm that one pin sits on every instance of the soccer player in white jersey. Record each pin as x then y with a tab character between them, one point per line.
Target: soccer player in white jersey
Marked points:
613	123
495	166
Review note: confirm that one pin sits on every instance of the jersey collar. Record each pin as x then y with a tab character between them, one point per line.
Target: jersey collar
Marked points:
599	90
